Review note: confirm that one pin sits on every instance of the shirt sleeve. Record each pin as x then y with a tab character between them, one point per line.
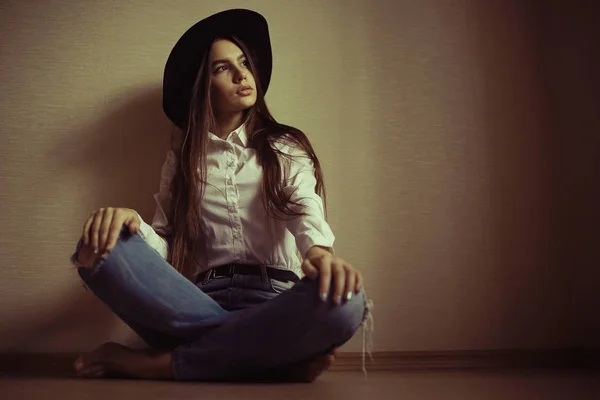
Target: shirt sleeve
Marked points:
311	229
154	234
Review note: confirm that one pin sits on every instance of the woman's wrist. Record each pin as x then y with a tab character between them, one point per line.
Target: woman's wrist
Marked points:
318	250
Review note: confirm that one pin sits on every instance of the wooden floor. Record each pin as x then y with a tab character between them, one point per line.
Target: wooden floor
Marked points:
512	385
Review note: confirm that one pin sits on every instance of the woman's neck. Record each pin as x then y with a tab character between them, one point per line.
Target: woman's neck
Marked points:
228	123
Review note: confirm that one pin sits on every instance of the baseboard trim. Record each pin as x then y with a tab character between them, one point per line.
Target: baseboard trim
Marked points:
470	359
60	364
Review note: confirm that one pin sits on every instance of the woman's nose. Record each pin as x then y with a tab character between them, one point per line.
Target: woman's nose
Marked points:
241	75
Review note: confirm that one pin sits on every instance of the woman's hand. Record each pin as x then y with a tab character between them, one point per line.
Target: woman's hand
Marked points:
332	269
102	228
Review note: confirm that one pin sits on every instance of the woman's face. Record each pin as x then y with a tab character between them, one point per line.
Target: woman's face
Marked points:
230	72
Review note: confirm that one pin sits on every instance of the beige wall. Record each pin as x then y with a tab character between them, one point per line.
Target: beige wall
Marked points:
449	162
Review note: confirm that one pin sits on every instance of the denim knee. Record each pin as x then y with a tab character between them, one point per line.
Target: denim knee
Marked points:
344	319
348	316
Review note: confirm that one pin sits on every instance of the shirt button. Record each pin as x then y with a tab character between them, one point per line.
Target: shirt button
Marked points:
229	181
231	208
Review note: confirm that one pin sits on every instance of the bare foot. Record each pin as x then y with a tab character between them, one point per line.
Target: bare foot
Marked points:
113	357
319	365
304	371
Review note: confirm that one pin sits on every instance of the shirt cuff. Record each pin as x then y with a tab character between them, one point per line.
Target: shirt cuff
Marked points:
145	229
153	239
314	236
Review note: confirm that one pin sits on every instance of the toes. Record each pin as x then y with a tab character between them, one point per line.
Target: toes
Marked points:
329	362
97	357
93	371
82	364
78	364
318	366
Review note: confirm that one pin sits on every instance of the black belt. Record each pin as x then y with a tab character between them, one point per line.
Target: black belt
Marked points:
229	270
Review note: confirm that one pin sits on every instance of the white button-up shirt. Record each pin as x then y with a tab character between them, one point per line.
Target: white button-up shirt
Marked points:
235	224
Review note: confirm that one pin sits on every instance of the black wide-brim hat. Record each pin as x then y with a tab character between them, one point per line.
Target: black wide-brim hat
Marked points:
184	61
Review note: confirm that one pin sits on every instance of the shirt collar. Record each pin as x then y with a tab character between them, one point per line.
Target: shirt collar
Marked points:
238	134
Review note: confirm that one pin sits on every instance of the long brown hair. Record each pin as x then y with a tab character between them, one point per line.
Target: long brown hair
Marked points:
187	186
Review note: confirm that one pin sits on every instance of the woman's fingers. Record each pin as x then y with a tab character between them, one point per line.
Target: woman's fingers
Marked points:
359	282
105	228
85	235
113	232
95	229
121	216
310	269
101	230
333	271
324	268
350	283
339	281
133	223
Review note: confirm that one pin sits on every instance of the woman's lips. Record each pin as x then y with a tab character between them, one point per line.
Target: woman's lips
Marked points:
245	92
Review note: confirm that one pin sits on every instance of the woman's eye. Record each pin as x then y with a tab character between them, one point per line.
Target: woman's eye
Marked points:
246	63
219	68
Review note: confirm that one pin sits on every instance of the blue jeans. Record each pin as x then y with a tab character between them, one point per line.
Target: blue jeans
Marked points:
222	328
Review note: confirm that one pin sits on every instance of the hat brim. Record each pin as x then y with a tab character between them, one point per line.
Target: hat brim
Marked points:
184	60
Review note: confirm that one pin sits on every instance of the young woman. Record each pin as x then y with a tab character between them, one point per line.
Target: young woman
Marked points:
213	285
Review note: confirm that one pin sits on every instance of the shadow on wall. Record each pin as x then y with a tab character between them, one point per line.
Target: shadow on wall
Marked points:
120	155
479	198
122	152
569	38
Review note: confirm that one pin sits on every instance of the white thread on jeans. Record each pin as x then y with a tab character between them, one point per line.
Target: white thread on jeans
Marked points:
367	325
